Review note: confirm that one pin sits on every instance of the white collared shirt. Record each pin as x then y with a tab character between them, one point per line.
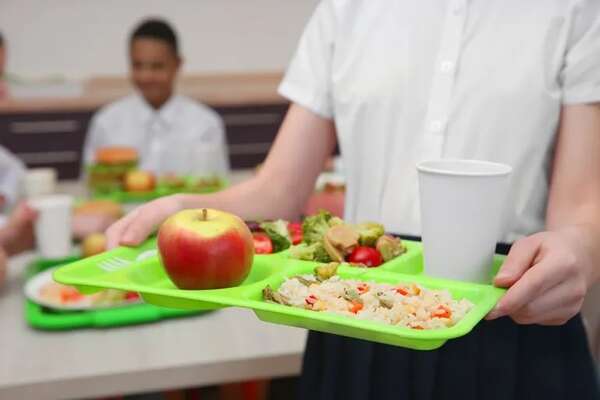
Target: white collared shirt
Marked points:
183	136
12	172
406	81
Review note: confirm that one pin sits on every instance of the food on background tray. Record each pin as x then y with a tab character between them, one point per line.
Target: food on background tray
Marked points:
205	249
328	238
93	244
111	165
172	181
58	295
94	216
206	183
139	181
100	207
405	304
275	236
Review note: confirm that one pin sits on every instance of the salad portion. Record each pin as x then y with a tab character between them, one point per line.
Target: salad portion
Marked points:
275	236
327	238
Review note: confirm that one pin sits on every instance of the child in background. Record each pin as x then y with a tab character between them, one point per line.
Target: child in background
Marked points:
165	128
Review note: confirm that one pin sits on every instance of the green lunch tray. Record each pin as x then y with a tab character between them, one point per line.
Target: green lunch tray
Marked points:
41	317
122	196
148	277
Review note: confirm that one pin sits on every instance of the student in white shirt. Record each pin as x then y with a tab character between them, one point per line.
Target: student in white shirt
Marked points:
397	82
170	131
16	235
12	171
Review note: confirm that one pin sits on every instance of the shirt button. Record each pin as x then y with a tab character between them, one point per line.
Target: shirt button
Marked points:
447	66
436	126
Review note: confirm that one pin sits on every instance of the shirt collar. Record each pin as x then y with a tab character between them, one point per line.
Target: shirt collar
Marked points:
164	115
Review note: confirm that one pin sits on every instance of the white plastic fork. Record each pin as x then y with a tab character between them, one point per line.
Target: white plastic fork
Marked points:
116	263
113	264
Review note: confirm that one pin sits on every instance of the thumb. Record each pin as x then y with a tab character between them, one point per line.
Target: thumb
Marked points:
520	258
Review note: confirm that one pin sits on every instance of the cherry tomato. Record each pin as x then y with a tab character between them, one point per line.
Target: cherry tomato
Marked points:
262	243
365	255
295	230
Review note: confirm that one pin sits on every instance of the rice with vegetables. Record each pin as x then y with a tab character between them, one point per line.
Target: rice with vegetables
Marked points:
407	305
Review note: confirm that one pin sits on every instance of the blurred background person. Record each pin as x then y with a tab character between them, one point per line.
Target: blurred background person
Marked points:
3	84
164	127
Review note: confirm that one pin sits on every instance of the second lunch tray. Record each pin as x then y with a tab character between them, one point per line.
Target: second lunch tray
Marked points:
123	196
45	318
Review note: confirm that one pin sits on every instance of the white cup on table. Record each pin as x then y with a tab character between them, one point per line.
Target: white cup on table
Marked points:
462	214
39	182
53	225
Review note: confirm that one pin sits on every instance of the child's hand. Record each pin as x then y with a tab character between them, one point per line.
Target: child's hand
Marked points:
136	226
17	235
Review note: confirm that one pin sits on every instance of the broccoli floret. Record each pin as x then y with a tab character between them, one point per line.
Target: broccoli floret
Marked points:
314	227
310	252
278	232
335	221
321	254
369	232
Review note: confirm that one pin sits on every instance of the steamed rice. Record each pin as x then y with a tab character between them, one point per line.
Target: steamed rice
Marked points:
407	305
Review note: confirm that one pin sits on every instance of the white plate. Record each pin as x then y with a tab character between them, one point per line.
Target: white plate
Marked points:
34	285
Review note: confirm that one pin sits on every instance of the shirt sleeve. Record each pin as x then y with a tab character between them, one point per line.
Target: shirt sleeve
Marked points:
12	171
308	79
580	75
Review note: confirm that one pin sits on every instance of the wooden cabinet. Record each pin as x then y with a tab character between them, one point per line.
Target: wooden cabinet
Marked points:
56	139
53	139
250	132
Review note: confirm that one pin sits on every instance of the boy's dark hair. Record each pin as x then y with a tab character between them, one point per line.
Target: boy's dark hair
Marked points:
1	40
156	29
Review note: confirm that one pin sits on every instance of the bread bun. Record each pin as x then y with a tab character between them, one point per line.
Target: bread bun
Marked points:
116	155
100	207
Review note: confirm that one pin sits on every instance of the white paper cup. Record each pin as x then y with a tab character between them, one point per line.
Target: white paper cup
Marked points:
462	210
53	225
39	182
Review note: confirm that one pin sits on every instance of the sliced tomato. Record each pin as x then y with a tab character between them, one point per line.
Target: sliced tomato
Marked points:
295	230
262	243
402	291
70	295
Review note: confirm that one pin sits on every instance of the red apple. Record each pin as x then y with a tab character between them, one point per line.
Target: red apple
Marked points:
139	181
205	249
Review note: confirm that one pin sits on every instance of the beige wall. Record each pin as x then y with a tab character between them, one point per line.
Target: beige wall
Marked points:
82	38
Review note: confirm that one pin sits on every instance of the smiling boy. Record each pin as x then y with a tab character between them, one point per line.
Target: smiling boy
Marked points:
168	130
